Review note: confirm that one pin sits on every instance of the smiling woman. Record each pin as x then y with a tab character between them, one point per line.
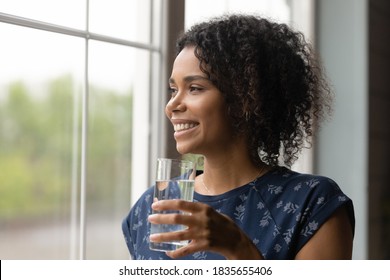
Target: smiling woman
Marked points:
197	104
245	90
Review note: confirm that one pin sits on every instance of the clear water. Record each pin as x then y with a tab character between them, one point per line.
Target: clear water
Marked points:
180	189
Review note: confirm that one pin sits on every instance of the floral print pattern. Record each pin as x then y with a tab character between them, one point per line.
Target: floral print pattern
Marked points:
279	211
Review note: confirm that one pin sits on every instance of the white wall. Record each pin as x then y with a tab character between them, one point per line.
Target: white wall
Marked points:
343	142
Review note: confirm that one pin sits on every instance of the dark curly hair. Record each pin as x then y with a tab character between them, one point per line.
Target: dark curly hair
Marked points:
274	89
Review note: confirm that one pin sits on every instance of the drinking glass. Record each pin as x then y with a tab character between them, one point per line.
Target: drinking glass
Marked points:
175	179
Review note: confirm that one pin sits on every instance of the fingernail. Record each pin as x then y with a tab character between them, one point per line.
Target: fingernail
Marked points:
151	217
155	204
153	237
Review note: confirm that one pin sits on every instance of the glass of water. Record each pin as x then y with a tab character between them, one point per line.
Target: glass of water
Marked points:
175	179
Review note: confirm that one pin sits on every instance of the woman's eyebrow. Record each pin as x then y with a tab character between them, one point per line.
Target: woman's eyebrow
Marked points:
190	78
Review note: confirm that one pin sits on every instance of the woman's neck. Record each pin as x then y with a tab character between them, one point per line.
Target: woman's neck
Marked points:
226	172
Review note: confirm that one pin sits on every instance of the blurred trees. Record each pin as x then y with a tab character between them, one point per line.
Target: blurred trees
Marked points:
40	136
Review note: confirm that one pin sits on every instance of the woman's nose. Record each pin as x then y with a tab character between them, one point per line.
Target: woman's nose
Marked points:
176	103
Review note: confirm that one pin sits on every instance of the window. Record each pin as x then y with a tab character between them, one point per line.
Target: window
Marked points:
76	88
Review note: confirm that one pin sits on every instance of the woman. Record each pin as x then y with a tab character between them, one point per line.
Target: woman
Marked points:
246	94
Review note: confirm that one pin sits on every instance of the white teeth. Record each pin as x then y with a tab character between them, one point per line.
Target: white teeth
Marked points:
183	126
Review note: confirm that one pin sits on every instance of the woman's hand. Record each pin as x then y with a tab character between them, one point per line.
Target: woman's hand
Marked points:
207	229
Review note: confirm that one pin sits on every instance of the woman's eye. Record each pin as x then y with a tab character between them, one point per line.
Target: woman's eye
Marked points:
195	89
172	91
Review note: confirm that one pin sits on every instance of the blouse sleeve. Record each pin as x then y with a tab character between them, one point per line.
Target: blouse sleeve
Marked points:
127	234
324	198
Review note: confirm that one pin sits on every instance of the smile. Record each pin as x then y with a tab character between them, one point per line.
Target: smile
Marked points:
183	126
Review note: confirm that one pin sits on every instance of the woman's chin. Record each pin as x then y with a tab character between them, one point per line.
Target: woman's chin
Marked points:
182	149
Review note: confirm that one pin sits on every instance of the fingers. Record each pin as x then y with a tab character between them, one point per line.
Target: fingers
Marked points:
176	204
201	222
170	219
191	248
181	235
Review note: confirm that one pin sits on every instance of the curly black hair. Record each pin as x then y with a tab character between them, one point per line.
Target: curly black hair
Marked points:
275	90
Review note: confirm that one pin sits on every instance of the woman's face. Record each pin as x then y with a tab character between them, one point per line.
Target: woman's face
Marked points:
196	109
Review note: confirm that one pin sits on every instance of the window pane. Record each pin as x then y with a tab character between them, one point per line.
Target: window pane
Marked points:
115	74
157	26
129	20
70	13
39	100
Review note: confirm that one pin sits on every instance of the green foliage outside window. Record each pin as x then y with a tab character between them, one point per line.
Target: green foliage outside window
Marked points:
37	146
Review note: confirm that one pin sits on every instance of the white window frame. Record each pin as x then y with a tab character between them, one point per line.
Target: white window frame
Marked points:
150	106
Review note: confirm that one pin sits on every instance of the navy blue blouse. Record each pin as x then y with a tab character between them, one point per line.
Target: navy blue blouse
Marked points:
280	212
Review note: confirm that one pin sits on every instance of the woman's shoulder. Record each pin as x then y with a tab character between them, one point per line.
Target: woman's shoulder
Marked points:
286	177
283	183
145	200
300	203
141	207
